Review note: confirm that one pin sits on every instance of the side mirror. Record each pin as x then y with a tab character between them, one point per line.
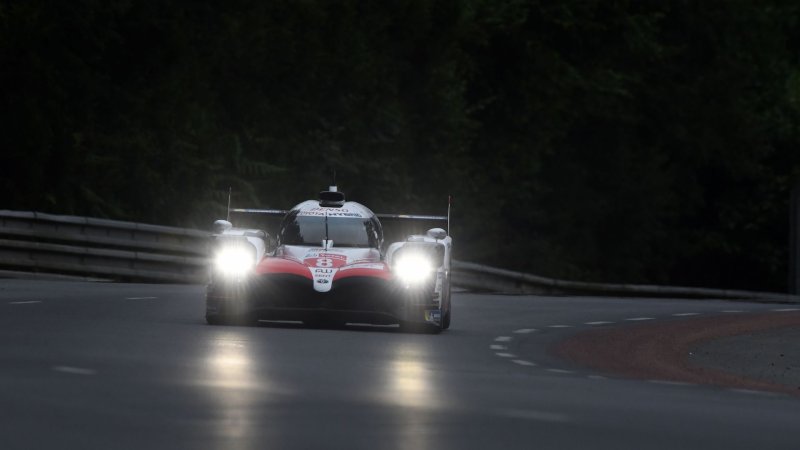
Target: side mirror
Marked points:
221	226
437	233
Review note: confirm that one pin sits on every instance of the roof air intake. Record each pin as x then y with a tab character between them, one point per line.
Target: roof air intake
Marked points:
331	198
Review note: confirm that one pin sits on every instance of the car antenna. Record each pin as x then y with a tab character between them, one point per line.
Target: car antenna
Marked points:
228	216
327	243
449	202
331	188
327	238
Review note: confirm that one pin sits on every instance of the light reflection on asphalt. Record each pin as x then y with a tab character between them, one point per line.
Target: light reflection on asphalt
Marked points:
231	377
410	385
236	381
411	389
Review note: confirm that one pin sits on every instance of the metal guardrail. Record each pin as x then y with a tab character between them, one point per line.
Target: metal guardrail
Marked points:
36	245
480	277
56	246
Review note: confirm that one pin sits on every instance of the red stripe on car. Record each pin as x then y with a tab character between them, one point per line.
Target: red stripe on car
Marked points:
282	266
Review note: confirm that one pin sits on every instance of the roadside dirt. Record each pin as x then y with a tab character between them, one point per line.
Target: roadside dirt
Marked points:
672	351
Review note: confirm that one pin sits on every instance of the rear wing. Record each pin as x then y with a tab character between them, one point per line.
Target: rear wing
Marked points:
413	217
419	217
396	226
269	212
334	190
283	212
445	220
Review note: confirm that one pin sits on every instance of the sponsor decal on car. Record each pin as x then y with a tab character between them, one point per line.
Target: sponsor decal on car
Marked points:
325	260
321	212
433	315
323	278
375	266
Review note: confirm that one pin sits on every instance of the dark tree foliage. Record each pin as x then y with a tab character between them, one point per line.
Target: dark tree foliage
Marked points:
620	141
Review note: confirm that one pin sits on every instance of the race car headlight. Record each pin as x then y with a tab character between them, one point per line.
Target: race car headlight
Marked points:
413	268
234	261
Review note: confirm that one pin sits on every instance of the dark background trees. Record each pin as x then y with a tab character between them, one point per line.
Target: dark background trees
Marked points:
598	140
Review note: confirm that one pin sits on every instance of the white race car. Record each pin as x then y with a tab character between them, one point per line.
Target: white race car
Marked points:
330	267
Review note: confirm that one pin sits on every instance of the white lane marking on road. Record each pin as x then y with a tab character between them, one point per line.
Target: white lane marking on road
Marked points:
529	414
498	347
753	392
686	314
732	311
596	377
785	309
525	330
522	362
671	383
502	338
598	322
560	371
74	370
559	326
506	355
638	319
28	302
140	298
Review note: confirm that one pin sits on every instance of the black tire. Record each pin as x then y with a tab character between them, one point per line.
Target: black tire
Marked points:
447	313
228	319
323	323
227	312
417	327
217	320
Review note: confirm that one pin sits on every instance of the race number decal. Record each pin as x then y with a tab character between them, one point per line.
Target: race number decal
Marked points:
326	261
323	267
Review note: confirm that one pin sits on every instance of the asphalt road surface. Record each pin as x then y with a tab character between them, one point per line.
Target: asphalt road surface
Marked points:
115	366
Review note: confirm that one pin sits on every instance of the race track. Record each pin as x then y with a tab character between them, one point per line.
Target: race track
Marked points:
116	366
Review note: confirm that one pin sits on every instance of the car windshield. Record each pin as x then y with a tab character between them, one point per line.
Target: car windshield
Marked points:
343	231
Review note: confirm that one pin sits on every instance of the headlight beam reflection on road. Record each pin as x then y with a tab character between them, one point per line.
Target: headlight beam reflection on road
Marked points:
230	379
411	390
410	383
